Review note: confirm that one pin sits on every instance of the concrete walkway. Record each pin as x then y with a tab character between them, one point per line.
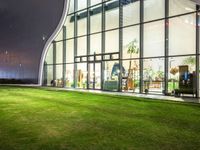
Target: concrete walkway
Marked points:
150	96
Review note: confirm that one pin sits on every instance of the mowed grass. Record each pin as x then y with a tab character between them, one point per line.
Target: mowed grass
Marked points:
44	119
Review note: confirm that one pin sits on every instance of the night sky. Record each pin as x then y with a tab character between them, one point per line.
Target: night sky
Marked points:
23	23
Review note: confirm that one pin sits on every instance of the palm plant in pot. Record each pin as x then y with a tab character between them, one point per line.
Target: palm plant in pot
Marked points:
133	48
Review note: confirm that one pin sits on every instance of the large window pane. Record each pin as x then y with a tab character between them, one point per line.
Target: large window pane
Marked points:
177	7
70	75
198	73
112	41
49	74
154	9
71	6
49	56
82	46
59	69
70	26
82	25
59	36
94	2
70	51
182	75
59	75
198	27
82	4
112	15
154	39
131	42
81	74
182	31
153	75
59	52
95	19
94	75
111	76
130	76
95	43
131	13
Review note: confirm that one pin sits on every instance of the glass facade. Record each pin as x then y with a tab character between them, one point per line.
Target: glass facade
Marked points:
140	46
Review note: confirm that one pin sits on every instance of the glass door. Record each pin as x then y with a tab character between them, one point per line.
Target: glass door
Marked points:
94	76
97	76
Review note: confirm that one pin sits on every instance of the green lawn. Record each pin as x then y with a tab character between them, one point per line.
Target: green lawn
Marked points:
43	119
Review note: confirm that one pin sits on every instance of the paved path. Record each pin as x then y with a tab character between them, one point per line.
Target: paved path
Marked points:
151	96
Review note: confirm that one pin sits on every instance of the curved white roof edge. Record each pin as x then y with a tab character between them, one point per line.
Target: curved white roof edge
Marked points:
50	40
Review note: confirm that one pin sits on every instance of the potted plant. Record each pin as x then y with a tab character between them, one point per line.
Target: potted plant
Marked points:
132	49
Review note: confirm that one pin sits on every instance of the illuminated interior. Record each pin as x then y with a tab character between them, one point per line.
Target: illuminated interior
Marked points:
138	46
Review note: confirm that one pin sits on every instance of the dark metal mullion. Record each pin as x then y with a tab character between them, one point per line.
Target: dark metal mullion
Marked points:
45	75
136	24
54	60
141	43
166	46
64	55
197	50
93	73
103	43
90	7
75	43
120	44
88	42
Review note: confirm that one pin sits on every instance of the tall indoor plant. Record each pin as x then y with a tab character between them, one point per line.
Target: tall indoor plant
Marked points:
132	49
